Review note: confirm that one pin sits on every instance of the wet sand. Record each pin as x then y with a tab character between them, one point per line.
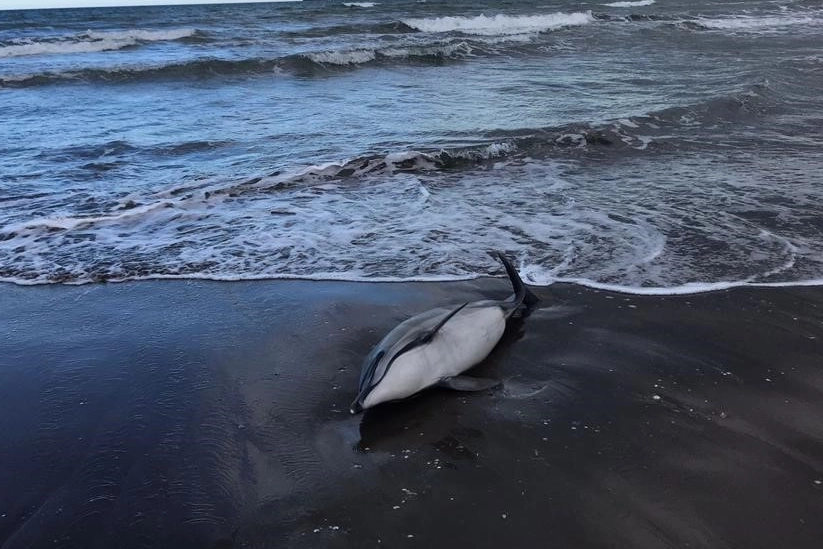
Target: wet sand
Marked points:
204	414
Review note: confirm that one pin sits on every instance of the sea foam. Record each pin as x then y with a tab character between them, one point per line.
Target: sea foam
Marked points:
757	23
142	35
90	42
353	57
501	24
363	56
637	4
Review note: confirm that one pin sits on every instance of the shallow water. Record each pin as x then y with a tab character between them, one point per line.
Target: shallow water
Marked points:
649	146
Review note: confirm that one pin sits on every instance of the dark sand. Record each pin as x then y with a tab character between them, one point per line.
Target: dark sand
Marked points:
193	414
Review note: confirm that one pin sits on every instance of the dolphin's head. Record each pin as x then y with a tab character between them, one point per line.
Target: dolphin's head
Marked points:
409	334
374	368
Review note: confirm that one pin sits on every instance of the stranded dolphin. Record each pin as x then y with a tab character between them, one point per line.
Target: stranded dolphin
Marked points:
436	346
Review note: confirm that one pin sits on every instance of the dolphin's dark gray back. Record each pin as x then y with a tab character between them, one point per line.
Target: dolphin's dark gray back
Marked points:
403	334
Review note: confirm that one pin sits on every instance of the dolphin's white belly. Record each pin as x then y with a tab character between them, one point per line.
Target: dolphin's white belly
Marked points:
465	340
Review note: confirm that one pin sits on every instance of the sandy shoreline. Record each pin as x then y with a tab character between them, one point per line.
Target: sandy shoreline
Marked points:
207	414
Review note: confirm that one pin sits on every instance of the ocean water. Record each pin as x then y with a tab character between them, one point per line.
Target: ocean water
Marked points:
650	146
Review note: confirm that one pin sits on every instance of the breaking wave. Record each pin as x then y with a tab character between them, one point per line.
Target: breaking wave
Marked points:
410	53
501	25
636	4
92	42
744	23
380	207
434	40
380	28
303	64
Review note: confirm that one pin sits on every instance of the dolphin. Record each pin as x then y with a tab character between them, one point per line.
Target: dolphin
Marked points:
436	346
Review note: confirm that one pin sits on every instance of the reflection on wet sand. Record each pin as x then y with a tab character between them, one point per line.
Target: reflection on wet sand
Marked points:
215	415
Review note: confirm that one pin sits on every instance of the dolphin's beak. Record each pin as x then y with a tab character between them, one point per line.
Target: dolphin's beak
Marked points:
356	408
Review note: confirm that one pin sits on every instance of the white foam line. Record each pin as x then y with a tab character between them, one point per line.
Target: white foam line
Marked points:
501	24
789	248
799	283
753	23
143	35
70	223
636	4
691	288
684	289
353	57
64	47
95	42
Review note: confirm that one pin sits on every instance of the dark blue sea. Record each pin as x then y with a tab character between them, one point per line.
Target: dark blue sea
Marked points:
653	146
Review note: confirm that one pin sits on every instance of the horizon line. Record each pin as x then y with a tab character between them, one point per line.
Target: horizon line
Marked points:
141	4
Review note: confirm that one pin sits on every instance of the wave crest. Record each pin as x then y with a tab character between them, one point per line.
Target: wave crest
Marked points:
501	24
410	53
90	42
744	23
303	64
636	4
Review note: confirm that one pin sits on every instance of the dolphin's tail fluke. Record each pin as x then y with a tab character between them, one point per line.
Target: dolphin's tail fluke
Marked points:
521	293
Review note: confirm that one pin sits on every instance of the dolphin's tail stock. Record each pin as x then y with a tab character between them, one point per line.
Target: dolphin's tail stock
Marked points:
521	293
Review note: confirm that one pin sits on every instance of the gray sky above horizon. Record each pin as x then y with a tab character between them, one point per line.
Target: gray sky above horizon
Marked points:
34	4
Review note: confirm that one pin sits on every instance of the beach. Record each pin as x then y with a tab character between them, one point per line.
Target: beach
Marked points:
213	414
209	214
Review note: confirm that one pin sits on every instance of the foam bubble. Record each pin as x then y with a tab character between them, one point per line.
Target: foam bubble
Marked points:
500	149
361	4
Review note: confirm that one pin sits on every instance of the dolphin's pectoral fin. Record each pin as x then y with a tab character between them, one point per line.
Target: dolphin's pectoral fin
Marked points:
471	384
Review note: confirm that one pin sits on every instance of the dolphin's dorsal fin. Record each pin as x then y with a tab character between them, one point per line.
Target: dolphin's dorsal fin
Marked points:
521	293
